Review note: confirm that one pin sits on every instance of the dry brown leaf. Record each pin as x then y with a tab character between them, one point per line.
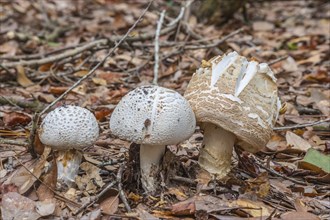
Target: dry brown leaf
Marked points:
21	78
255	208
23	179
177	193
17	207
109	202
297	142
91	180
260	185
99	81
299	215
49	180
13	119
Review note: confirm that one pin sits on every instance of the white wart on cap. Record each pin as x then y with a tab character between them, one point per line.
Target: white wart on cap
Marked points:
68	127
238	97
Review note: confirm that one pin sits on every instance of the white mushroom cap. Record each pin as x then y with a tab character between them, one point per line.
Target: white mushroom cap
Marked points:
153	115
69	127
237	95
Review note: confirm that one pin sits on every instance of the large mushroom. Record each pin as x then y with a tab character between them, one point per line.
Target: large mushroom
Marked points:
235	102
152	116
68	129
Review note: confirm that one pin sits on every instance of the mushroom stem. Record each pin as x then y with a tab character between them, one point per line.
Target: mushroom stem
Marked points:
216	155
68	162
150	156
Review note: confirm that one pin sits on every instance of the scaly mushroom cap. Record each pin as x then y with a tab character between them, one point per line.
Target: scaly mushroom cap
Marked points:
69	127
237	95
153	115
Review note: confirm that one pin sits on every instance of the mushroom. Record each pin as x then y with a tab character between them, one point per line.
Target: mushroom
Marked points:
153	117
235	102
68	129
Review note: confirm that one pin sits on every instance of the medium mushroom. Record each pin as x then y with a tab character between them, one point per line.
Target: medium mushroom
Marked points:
153	117
68	129
235	102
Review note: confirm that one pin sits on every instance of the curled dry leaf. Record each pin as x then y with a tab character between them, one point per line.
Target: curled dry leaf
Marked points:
13	119
254	208
109	202
22	79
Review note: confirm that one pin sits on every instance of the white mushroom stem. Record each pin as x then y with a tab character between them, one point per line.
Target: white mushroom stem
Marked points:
68	162
216	155
150	156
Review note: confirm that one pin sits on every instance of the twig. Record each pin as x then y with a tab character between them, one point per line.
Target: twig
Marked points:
300	126
34	105
159	27
278	174
183	179
57	57
96	198
55	193
215	44
277	60
13	142
120	188
177	19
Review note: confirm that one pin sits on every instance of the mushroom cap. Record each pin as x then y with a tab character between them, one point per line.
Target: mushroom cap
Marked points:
237	95
68	127
153	115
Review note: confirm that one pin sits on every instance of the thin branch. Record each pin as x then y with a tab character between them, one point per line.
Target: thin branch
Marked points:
177	19
215	44
120	188
156	66
34	105
57	57
277	173
300	126
277	60
13	142
96	198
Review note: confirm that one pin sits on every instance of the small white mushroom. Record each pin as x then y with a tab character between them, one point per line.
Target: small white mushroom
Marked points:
235	101
68	129
153	117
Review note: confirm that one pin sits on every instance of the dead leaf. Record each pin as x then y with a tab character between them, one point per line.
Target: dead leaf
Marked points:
177	193
49	180
297	142
17	207
299	215
13	119
99	81
109	202
91	180
45	207
255	208
260	185
22	79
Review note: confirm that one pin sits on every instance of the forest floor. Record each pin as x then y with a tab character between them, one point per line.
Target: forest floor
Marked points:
47	46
